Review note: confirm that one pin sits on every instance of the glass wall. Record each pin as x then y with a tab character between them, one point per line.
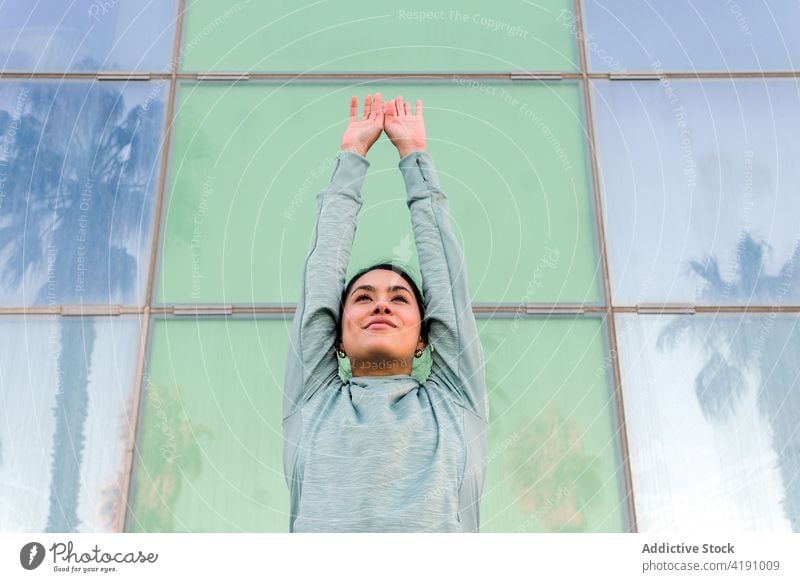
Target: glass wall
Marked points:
248	160
682	35
50	36
621	177
553	447
700	189
79	179
346	37
210	440
66	390
712	404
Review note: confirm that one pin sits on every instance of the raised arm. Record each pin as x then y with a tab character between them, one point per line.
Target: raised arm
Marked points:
458	361
311	363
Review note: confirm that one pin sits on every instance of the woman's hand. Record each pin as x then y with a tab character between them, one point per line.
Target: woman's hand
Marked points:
361	134
404	128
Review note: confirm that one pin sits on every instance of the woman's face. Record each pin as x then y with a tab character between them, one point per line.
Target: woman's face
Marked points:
381	326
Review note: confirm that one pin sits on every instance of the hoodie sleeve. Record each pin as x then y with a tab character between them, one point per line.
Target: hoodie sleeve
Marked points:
311	362
458	361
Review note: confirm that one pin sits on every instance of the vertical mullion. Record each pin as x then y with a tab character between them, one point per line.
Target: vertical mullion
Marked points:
145	327
612	331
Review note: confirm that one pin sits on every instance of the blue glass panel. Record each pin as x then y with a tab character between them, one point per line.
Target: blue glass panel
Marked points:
687	35
65	392
700	183
712	409
87	35
79	166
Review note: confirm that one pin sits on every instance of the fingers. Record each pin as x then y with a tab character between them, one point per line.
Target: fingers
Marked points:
377	107
402	108
388	112
367	106
373	107
353	108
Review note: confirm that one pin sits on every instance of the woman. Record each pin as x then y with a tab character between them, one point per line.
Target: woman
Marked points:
381	451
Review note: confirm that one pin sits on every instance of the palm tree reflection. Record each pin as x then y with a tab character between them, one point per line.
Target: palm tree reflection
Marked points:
170	455
554	478
78	187
735	346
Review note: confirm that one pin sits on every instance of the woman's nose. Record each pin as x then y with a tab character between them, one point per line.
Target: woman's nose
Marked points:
382	306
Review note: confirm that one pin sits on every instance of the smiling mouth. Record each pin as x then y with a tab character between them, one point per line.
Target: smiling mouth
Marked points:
379	325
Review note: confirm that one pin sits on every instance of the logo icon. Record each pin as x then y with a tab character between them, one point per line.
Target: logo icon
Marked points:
31	555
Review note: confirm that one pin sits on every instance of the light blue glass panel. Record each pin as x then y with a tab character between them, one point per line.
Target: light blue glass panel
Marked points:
712	409
65	392
87	35
79	167
700	186
687	35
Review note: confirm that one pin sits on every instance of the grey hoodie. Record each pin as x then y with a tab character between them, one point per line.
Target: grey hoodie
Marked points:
385	453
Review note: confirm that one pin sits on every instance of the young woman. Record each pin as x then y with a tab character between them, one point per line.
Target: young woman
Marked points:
382	452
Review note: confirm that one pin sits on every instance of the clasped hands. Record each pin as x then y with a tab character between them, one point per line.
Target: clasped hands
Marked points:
405	129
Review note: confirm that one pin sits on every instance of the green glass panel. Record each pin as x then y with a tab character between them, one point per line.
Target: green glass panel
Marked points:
455	35
210	438
554	463
249	159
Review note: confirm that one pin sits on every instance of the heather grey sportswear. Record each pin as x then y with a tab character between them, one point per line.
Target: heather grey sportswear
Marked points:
385	453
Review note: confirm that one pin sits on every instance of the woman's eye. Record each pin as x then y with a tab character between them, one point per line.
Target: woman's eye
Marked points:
400	297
